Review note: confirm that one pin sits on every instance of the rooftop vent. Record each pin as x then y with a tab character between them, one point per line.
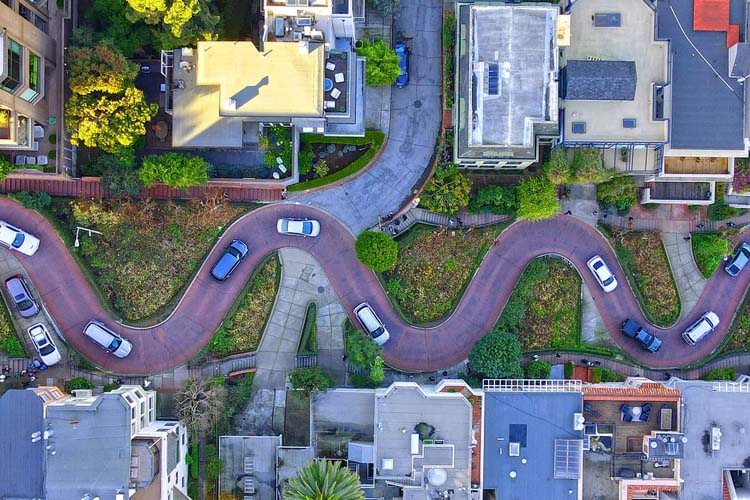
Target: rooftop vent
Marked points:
514	449
628	123
230	105
579	127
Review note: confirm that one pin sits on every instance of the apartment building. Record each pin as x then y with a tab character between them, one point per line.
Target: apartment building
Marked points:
108	446
30	90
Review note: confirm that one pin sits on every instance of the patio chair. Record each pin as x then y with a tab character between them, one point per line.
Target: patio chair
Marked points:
20	160
339	77
282	168
627	417
329	104
587	407
35	146
625	408
330	66
646	408
335	93
42	160
38	131
31	160
644	417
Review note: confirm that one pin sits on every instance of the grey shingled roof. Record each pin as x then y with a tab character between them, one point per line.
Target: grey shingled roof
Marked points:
536	420
600	80
21	461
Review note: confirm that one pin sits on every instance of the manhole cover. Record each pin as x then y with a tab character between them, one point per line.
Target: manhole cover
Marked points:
321	289
417	104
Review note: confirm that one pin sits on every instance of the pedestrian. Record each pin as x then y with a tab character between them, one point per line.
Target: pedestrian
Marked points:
597	363
595	212
686	238
667	375
535	357
557	354
568	213
584	361
605	215
32	378
701	225
730	224
630	219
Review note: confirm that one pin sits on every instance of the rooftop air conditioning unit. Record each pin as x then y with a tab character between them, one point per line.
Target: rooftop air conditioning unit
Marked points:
82	393
514	449
578	420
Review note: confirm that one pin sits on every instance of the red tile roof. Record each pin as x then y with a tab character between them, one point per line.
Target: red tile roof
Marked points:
733	35
710	15
647	391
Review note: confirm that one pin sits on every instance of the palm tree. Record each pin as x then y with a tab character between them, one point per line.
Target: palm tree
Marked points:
323	480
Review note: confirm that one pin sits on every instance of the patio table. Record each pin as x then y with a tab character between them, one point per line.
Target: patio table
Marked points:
327	84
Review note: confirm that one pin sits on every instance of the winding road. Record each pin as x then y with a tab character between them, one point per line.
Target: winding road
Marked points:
201	310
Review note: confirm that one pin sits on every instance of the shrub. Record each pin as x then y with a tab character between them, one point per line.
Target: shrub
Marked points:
497	355
447	191
13	347
610	376
77	383
721	374
587	166
178	170
361	350
52	139
5	166
538	369
709	251
304	158
309	380
38	200
215	466
52	154
596	375
496	199
321	168
377	373
619	191
109	387
557	168
568	367
537	199
382	63
376	250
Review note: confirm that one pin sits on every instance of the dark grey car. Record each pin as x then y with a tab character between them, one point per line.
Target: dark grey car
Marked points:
21	296
229	260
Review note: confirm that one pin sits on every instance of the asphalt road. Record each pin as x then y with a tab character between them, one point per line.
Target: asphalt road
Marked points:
72	302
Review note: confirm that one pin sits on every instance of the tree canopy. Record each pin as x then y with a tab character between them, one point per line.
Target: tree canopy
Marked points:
309	380
537	199
588	167
5	166
495	199
179	22
497	355
178	170
376	250
118	173
447	191
557	167
382	67
101	68
201	404
619	191
323	480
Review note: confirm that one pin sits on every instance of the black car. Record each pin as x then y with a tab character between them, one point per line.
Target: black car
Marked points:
635	331
231	258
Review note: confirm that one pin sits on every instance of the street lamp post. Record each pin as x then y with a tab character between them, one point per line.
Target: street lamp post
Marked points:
77	243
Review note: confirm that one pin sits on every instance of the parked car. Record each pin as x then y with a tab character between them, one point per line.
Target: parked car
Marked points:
44	345
231	258
17	239
21	296
601	272
739	259
107	339
635	331
403	53
705	325
373	326
298	227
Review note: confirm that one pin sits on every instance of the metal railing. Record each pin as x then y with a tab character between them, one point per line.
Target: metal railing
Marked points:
726	386
531	385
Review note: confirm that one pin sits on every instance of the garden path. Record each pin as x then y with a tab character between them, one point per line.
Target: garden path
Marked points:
690	282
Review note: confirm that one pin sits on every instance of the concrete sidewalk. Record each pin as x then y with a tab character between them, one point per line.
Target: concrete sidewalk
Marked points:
690	282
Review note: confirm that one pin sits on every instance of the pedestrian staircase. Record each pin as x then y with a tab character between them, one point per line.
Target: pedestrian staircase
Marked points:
402	223
237	364
15	364
307	360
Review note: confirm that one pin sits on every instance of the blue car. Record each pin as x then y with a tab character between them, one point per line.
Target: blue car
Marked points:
403	54
229	260
635	331
739	260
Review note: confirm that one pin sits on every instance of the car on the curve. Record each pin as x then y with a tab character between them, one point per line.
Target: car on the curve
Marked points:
107	339
402	52
602	273
739	259
372	324
702	327
18	239
298	227
21	295
635	331
229	260
44	344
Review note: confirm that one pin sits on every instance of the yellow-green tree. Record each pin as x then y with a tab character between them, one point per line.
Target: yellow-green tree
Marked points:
382	66
108	121
100	68
177	22
174	169
447	191
537	199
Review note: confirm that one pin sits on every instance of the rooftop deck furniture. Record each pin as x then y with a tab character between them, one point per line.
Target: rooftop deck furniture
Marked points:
329	104
35	146
327	84
31	160
335	93
20	160
42	160
330	66
38	131
339	77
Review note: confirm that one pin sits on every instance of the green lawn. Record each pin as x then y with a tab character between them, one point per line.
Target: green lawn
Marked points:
709	250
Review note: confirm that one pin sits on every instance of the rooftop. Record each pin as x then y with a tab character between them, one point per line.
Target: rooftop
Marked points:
253	457
22	462
506	77
541	423
92	443
623	45
426	436
708	107
600	80
333	429
708	405
219	85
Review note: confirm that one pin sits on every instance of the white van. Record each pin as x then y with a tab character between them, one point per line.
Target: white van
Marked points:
705	325
371	323
107	339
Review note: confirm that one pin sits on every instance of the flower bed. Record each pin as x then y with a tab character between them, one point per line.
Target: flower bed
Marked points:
644	260
433	267
544	309
741	181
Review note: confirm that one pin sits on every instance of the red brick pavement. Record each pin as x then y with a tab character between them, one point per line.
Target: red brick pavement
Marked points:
203	307
91	187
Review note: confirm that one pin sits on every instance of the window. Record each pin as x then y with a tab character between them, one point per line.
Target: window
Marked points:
40	23
4	124
35	77
13	69
628	123
9	3
25	12
579	127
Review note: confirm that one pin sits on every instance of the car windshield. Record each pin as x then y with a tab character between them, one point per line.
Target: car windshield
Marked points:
24	304
233	251
608	281
377	333
115	344
307	227
47	349
18	240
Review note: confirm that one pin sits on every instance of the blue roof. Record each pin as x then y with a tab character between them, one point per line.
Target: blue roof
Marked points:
535	420
21	461
708	112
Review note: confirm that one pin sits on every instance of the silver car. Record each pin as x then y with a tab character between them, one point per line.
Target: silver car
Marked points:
21	296
44	345
298	227
17	239
705	325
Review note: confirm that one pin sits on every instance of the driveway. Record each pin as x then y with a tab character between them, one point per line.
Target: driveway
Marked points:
72	303
414	127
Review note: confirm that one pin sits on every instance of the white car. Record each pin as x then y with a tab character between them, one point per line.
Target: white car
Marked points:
601	272
705	325
16	239
298	227
44	345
